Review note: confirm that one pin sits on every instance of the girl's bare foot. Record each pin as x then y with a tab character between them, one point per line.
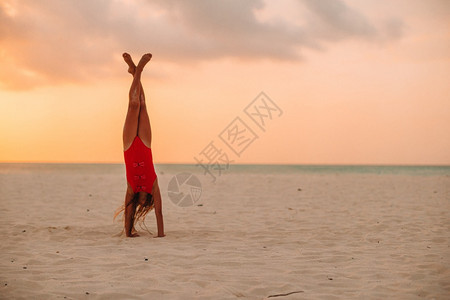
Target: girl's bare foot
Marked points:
131	66
144	60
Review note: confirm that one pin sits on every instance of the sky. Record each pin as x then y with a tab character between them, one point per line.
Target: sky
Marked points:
273	82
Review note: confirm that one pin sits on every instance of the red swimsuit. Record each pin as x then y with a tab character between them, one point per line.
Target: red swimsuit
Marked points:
139	165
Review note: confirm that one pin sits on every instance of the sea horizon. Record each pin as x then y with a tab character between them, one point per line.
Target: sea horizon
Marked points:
239	164
239	168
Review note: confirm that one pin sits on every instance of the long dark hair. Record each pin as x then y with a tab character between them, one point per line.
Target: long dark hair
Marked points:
141	210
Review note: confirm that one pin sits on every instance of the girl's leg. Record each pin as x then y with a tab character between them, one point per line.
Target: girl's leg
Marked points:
130	128
143	128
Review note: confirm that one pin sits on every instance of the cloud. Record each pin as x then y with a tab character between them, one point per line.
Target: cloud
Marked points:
53	41
336	20
333	20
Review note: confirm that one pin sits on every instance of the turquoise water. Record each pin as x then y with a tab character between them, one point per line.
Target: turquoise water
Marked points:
373	169
233	168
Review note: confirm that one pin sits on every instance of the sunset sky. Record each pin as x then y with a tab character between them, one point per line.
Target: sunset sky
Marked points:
358	82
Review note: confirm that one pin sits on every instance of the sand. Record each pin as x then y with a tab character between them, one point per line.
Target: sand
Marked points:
255	236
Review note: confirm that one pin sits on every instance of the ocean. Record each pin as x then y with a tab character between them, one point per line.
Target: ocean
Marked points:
6	168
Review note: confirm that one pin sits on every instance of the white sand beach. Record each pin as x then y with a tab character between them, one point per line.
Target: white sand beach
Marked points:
256	235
